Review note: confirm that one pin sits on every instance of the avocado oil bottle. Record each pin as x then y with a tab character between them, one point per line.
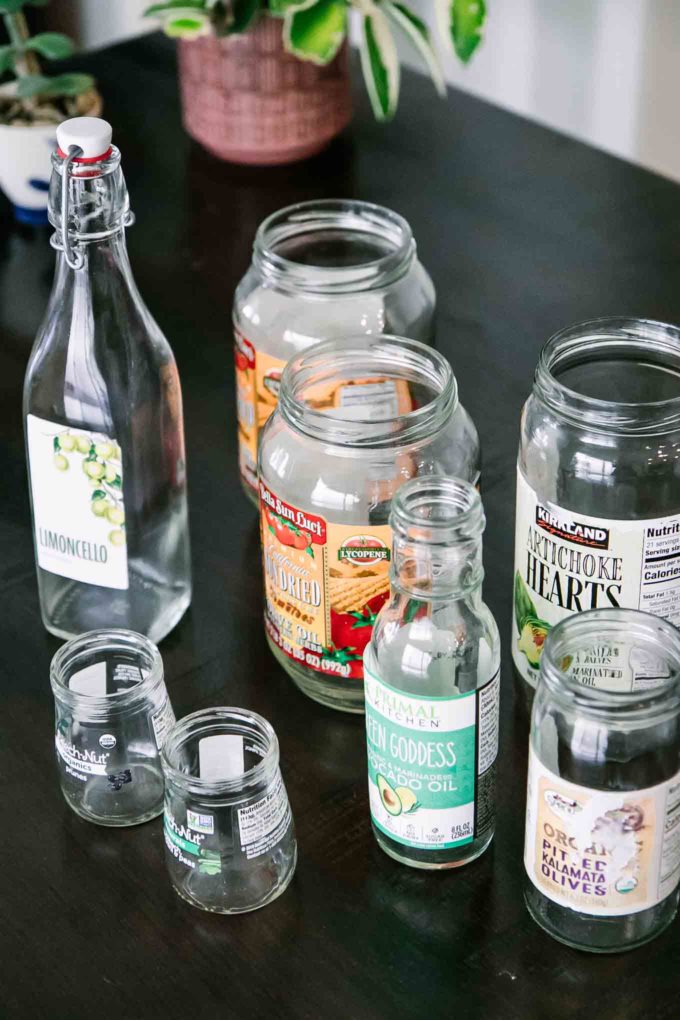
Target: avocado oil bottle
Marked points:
432	683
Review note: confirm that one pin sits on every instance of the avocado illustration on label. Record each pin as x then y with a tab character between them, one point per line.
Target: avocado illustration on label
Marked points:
389	796
532	631
409	801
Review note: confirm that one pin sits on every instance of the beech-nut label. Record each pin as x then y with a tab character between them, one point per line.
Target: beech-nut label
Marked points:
431	762
599	852
566	562
78	503
258	380
324	585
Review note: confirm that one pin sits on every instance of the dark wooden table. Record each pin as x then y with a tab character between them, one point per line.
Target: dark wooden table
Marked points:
524	231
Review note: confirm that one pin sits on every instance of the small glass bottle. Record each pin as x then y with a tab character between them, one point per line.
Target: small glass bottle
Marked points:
112	716
602	849
431	680
229	833
103	417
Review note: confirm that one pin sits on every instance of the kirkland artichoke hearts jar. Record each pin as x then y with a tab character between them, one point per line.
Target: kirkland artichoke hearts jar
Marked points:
598	480
602	847
320	269
356	419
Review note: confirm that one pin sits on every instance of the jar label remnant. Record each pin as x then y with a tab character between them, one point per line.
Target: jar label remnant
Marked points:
264	824
431	763
258	379
600	852
78	505
567	563
324	585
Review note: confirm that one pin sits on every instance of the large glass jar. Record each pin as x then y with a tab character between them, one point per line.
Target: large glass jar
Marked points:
602	850
356	419
320	269
598	480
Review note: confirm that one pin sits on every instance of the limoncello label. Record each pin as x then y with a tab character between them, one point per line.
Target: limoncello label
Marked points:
78	504
431	762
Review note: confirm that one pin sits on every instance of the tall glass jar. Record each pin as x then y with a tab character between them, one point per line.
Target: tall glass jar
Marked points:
320	269
356	419
432	683
598	480
602	850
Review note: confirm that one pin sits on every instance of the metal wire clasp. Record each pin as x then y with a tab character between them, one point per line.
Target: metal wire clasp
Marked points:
74	258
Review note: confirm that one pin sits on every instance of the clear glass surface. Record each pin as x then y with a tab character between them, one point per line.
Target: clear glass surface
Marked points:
348	470
435	637
101	364
332	268
600	433
621	735
112	710
229	832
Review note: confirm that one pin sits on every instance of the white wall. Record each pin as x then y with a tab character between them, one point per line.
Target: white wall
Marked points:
605	71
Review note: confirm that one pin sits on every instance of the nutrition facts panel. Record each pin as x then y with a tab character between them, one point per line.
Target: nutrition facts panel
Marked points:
660	576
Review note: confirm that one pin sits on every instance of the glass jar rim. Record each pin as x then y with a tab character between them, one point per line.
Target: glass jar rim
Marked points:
607	334
372	356
321	214
105	639
211	719
599	626
456	502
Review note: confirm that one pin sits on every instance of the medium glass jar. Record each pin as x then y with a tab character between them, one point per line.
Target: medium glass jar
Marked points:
320	269
229	834
112	716
356	419
598	480
432	683
602	850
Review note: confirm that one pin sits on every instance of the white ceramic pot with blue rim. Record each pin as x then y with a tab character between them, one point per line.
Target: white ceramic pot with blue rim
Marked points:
25	167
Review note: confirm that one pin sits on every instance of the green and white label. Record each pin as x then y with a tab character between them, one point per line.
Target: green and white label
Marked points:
431	763
78	508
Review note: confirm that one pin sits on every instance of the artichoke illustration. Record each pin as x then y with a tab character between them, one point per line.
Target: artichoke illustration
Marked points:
531	629
100	458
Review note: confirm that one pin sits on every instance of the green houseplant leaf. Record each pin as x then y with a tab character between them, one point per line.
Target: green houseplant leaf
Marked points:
379	62
52	45
243	12
281	7
11	6
50	88
6	58
172	6
316	31
461	21
419	34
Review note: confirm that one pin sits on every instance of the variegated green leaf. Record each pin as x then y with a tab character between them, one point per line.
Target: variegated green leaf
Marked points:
281	7
379	62
316	31
419	34
461	23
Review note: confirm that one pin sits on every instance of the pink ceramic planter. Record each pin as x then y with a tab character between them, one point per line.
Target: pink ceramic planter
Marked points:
248	101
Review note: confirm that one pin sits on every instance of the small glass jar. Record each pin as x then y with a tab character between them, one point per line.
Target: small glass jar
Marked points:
432	684
229	833
356	419
598	480
320	269
602	850
112	715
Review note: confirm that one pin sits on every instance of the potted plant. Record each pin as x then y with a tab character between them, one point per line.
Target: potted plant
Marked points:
31	106
266	81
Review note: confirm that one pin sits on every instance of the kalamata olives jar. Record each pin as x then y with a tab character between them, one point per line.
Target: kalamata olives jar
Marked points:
356	419
320	269
598	480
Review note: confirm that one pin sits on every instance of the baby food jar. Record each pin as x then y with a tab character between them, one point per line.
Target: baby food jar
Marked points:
356	419
598	480
229	833
602	850
320	269
112	716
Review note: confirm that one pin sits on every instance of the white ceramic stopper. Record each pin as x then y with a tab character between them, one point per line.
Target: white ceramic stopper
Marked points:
92	134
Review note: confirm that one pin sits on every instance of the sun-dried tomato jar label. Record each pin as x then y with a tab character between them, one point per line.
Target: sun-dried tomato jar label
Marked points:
324	585
258	379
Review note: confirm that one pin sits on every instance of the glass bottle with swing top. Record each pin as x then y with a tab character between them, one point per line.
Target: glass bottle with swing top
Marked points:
103	417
